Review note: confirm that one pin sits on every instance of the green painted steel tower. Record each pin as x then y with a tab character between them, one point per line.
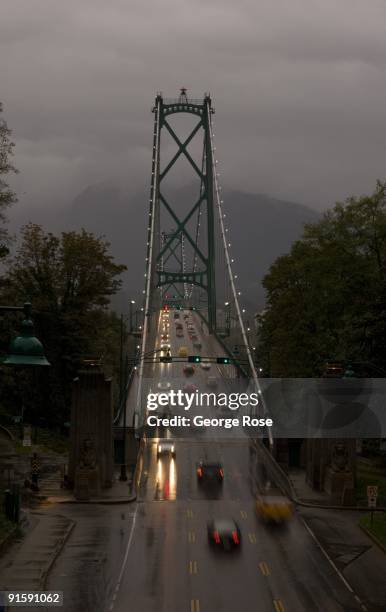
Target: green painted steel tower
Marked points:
181	238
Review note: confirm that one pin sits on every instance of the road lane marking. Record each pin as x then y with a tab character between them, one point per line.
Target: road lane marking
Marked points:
194	605
318	544
191	537
189	513
243	514
264	568
278	605
252	538
118	584
193	567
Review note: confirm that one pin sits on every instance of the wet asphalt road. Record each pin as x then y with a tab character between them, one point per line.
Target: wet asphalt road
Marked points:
169	566
153	556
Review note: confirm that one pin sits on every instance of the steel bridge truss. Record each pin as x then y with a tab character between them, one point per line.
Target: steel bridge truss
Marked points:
172	244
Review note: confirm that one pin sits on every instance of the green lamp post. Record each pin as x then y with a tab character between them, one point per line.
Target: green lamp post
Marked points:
25	349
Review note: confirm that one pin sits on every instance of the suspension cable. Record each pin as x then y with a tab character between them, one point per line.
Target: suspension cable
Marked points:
150	248
230	273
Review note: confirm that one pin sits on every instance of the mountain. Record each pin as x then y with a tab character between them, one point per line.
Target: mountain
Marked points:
260	228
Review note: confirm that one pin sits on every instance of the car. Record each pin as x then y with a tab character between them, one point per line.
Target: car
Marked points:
179	333
165	337
224	533
179	326
205	366
210	471
176	315
183	351
165	347
193	338
189	388
164	385
211	382
166	447
189	369
272	507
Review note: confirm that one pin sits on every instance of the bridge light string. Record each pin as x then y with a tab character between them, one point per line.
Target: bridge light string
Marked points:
149	255
232	277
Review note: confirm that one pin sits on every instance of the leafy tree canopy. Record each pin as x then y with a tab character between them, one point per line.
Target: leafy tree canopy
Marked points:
326	299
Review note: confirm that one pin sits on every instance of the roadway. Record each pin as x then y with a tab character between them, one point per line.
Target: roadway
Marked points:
168	565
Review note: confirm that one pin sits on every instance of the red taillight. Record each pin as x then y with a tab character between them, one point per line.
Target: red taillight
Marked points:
216	537
221	472
199	472
235	537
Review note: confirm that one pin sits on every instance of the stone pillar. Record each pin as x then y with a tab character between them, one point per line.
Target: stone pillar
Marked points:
91	453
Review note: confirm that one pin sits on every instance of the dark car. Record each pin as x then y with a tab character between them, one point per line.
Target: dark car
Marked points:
210	472
224	533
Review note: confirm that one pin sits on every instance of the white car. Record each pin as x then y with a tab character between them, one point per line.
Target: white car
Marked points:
166	447
165	347
205	366
164	385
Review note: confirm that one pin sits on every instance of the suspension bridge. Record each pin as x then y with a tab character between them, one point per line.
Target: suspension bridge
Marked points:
189	266
193	322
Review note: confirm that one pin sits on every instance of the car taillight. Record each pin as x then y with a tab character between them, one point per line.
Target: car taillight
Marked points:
199	472
216	537
235	537
221	472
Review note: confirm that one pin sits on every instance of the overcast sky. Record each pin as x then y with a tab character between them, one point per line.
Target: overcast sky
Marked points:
299	88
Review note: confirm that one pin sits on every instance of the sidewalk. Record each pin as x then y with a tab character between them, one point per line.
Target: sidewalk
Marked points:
25	565
304	492
120	493
356	556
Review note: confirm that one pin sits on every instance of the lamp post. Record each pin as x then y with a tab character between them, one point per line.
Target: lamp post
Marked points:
132	302
122	383
25	350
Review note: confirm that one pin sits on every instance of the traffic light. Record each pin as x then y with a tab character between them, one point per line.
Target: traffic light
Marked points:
224	360
165	358
194	359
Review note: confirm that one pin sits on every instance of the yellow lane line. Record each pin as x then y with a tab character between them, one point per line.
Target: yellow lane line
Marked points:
264	568
191	537
189	513
194	605
279	607
243	514
252	538
193	567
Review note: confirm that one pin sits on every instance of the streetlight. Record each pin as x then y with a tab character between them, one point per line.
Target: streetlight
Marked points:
132	302
25	349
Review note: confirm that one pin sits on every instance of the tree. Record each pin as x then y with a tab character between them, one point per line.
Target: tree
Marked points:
69	279
327	297
7	196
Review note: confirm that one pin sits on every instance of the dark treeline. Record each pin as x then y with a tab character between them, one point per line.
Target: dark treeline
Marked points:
69	279
326	299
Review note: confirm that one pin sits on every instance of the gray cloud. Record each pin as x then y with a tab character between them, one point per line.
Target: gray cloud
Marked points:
299	89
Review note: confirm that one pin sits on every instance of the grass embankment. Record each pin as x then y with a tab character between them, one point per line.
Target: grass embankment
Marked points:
370	472
44	440
378	527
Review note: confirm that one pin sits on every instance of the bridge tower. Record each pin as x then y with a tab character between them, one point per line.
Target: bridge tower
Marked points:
181	235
